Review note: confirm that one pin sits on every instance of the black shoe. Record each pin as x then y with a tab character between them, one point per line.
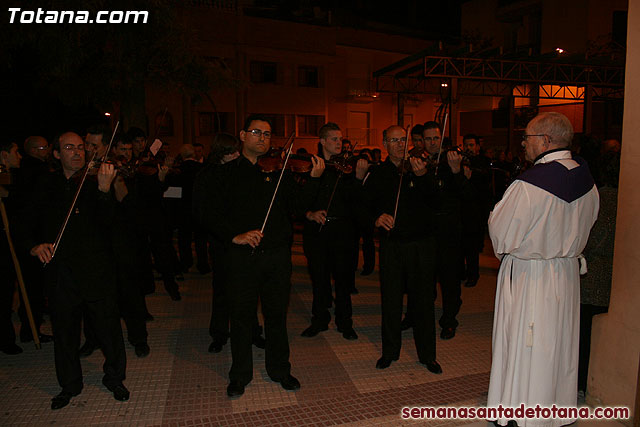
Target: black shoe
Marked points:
354	291
471	283
259	342
448	333
383	363
149	317
289	382
62	400
119	391
235	389
216	346
11	349
142	349
348	334
313	330
433	366
87	349
406	323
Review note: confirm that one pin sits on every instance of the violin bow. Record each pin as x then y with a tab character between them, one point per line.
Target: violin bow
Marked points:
275	192
444	127
404	157
335	186
75	197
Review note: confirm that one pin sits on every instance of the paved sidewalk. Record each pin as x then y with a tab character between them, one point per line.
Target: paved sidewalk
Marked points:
180	383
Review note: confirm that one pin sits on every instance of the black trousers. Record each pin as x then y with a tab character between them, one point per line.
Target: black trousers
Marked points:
365	231
219	322
329	257
265	275
587	311
158	235
472	242
188	232
67	308
132	305
448	275
408	265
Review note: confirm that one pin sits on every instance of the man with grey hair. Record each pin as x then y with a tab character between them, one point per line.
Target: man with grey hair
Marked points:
539	230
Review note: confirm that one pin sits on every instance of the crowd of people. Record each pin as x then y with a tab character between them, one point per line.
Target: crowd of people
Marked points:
429	202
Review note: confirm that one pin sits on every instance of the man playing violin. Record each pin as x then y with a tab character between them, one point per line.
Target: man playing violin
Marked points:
447	226
407	247
329	238
258	260
82	270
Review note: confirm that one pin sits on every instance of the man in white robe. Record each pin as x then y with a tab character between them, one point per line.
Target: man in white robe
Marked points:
539	230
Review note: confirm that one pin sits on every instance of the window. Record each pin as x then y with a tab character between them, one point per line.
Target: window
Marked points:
308	77
309	125
263	72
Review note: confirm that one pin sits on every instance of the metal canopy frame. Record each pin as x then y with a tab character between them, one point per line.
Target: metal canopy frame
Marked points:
500	77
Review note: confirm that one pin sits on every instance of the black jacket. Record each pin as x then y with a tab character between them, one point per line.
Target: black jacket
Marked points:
233	198
85	248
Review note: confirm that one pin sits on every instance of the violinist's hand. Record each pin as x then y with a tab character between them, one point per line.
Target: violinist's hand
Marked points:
454	159
361	169
44	252
106	174
120	188
418	166
385	221
162	172
467	171
251	238
318	166
317	216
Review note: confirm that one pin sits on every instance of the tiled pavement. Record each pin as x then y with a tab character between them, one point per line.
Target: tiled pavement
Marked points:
180	383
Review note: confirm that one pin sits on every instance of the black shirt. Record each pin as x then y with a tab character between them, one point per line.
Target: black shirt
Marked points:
85	248
234	198
416	206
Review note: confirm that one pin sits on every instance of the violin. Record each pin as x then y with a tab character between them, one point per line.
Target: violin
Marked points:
121	165
273	161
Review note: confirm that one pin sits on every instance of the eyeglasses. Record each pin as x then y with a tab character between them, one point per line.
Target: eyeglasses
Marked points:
525	136
71	147
396	140
41	148
431	138
258	133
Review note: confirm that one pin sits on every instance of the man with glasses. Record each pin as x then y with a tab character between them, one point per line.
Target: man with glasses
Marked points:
539	230
407	248
258	260
82	272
